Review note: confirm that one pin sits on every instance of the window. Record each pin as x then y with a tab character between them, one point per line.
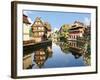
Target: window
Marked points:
39	33
42	33
39	28
35	28
42	28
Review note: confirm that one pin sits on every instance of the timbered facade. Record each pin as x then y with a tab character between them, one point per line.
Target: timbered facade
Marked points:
40	30
76	30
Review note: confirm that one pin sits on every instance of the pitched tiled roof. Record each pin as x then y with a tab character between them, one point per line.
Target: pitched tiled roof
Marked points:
25	19
47	25
38	19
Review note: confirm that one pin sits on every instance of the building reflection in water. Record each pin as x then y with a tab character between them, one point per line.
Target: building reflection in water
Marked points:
76	44
65	47
39	57
86	55
42	55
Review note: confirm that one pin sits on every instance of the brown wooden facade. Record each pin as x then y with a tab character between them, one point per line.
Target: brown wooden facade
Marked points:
40	31
76	30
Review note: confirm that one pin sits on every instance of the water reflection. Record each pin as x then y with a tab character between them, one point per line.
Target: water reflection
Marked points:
81	50
65	47
42	55
76	44
59	54
87	59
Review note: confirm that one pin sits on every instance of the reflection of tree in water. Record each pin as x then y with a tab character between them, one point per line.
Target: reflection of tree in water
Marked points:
76	55
49	51
85	51
87	59
64	47
42	55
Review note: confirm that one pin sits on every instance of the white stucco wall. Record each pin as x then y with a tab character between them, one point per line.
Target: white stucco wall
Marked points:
26	28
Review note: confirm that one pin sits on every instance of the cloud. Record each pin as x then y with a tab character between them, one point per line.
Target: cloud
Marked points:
27	12
87	21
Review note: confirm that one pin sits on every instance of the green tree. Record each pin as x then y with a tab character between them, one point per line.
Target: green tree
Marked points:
30	32
64	31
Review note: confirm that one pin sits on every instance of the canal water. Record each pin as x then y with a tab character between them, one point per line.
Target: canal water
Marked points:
56	55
